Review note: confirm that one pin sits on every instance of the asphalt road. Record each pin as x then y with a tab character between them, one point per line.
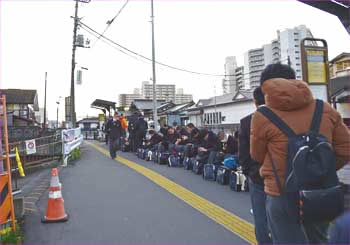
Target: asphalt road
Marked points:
110	203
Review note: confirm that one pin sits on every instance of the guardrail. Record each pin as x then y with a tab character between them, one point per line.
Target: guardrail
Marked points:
72	139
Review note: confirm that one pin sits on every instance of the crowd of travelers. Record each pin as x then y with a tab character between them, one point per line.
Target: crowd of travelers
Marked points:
288	150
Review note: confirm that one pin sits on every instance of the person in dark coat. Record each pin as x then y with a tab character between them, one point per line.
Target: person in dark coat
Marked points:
210	145
107	128
231	146
154	140
251	169
141	127
116	132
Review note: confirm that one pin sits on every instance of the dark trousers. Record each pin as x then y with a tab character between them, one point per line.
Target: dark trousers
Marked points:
114	146
258	199
139	141
286	231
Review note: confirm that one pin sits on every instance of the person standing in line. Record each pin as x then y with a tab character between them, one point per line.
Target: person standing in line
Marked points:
108	128
141	127
251	169
115	134
292	102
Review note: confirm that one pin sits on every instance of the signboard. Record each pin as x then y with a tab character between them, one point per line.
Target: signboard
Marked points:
101	117
30	147
316	66
79	77
319	92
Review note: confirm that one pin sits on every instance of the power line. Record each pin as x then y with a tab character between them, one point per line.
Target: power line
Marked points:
144	57
134	55
110	22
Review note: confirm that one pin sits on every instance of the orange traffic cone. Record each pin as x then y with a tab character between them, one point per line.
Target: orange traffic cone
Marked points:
55	207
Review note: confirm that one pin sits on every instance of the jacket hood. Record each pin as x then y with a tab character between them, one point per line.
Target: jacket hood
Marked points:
286	94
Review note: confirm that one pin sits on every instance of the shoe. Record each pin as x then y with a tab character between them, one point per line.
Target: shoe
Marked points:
251	211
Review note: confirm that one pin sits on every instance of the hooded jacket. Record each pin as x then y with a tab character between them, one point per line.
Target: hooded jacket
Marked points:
293	102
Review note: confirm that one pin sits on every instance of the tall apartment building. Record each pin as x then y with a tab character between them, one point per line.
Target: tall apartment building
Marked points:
289	42
181	97
284	49
163	91
126	99
240	78
229	83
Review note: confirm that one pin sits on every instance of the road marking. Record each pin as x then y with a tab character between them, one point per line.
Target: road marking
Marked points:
233	223
30	209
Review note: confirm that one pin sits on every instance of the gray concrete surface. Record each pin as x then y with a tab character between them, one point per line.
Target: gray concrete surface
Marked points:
109	203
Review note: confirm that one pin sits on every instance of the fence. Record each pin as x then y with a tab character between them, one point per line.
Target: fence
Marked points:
25	133
47	148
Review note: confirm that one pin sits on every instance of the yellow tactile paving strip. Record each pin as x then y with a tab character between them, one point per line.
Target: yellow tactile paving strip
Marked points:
233	223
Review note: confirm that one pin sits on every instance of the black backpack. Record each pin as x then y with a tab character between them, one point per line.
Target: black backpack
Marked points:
312	188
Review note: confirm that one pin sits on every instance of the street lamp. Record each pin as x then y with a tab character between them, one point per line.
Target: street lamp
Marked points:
58	105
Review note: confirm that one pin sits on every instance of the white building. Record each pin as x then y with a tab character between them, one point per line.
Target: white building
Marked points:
289	41
163	91
229	83
222	112
125	100
284	49
181	97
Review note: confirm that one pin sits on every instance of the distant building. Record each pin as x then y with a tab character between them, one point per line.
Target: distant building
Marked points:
163	91
240	78
21	106
289	41
181	98
229	83
125	100
284	49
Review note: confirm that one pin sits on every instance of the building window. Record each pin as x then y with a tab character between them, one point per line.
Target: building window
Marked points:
297	52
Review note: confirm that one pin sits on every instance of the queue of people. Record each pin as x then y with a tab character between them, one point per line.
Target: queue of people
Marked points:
288	150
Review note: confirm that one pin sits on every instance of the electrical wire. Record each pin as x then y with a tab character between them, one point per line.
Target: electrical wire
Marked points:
110	22
135	55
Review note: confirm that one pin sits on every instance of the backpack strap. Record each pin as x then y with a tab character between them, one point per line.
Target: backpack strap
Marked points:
316	120
276	120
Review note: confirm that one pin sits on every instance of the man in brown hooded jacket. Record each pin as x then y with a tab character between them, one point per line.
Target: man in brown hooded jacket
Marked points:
293	102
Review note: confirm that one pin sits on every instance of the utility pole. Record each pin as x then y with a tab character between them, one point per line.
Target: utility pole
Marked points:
72	98
155	117
44	126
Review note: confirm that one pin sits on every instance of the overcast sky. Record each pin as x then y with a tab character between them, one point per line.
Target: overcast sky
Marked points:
36	36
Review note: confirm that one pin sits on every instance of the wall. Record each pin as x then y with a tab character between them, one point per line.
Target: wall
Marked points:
234	112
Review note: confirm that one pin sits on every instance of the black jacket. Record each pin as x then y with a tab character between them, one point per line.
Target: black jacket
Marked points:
115	130
231	146
171	139
212	143
141	127
155	139
250	167
108	125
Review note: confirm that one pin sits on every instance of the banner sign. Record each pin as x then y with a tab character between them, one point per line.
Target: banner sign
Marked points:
101	117
316	65
30	147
